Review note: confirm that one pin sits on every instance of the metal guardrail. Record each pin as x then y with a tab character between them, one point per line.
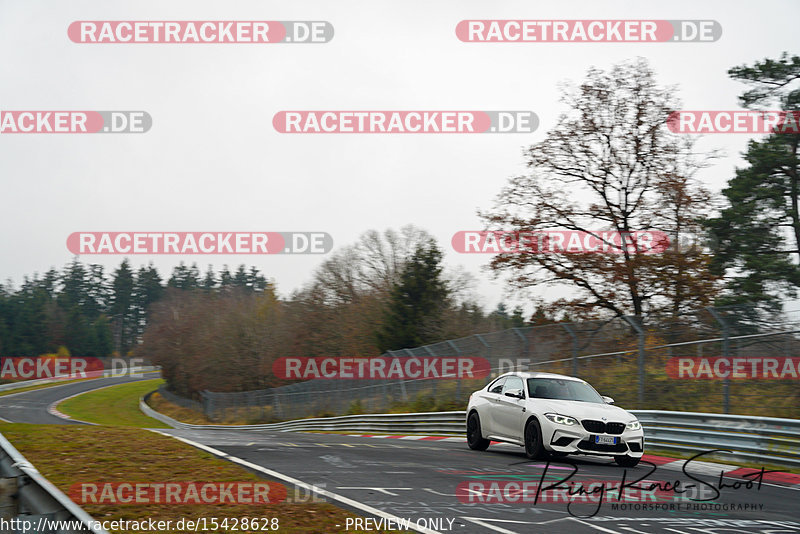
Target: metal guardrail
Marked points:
27	383
445	423
106	373
755	439
37	500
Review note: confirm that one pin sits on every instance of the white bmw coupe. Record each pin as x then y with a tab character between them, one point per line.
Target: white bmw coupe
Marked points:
552	415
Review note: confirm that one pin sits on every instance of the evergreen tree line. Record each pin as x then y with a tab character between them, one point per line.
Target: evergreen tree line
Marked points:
95	314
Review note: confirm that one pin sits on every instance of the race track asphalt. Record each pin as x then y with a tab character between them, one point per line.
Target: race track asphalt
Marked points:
31	406
427	482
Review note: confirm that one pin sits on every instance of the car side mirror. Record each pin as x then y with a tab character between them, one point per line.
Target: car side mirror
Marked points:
608	400
516	393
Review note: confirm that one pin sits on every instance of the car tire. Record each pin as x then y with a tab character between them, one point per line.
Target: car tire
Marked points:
534	446
626	461
475	440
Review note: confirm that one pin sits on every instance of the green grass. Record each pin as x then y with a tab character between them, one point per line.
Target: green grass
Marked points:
113	406
72	454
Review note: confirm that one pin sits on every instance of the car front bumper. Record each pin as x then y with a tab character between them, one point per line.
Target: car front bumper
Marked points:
574	439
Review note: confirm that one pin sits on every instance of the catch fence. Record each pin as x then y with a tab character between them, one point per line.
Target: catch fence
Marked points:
641	364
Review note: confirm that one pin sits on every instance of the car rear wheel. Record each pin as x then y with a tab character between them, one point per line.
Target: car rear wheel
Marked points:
534	448
626	461
475	440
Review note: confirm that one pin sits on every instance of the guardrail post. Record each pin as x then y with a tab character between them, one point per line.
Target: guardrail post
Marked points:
636	324
726	349
8	504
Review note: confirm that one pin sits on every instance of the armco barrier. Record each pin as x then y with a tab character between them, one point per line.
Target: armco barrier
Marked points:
754	439
92	374
451	423
37	500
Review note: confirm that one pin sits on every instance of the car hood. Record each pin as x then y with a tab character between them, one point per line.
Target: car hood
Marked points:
581	410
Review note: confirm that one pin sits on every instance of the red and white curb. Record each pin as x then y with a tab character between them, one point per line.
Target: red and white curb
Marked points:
411	437
671	464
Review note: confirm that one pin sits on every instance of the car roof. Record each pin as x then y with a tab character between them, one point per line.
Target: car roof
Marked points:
530	374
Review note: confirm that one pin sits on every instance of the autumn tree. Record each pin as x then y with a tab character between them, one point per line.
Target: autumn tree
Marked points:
220	340
610	164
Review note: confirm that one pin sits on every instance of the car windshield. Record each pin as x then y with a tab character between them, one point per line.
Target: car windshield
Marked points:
556	388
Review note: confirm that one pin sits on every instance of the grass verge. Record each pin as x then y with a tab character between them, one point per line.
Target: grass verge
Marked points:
113	406
179	413
75	454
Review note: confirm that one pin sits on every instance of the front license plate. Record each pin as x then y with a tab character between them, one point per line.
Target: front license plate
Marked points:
605	440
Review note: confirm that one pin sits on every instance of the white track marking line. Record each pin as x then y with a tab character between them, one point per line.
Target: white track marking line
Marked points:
596	527
319	491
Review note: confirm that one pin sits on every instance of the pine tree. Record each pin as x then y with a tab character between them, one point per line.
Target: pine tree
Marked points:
416	303
758	233
122	310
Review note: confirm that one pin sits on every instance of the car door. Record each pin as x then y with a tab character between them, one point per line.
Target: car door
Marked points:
509	411
490	397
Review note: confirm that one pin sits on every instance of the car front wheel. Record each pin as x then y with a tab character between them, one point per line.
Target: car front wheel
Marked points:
534	448
626	461
475	440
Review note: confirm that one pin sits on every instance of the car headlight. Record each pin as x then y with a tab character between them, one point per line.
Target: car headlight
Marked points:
633	425
561	419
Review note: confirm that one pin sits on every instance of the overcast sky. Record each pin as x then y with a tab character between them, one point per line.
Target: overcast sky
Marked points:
212	160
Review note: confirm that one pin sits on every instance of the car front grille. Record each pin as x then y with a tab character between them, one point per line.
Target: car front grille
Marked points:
599	427
615	428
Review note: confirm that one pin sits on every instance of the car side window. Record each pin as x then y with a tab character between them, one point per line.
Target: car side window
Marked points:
513	382
497	386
